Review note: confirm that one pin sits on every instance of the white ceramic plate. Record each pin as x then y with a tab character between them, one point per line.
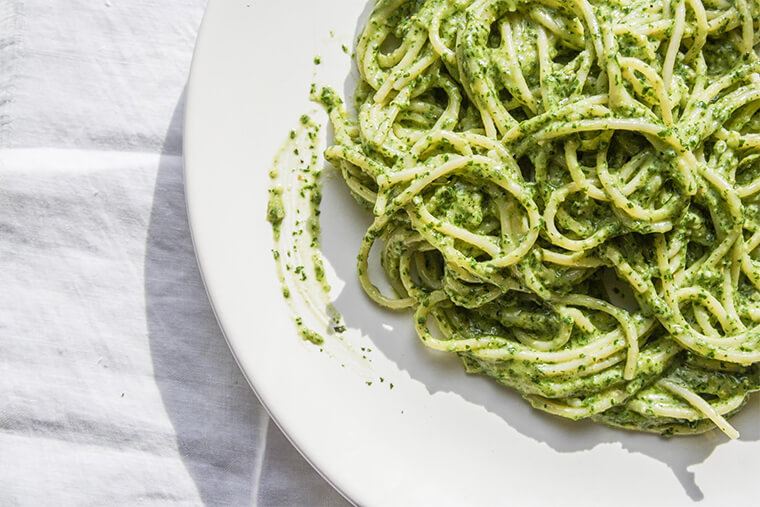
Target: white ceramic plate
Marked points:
439	436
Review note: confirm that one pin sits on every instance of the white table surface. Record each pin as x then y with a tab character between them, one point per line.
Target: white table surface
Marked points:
116	385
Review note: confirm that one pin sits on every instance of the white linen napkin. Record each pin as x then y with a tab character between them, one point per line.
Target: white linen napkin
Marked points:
116	385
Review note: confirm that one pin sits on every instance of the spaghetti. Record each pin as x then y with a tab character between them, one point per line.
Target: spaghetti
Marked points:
567	194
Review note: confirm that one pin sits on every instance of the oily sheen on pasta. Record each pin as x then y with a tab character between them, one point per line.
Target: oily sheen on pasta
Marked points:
567	194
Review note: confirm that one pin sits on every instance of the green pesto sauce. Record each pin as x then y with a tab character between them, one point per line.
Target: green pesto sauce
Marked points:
311	336
295	180
275	210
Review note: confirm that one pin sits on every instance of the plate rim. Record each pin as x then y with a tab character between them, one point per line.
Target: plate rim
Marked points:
188	119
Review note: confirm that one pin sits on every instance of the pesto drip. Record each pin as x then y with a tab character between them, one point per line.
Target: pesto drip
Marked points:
527	163
295	194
